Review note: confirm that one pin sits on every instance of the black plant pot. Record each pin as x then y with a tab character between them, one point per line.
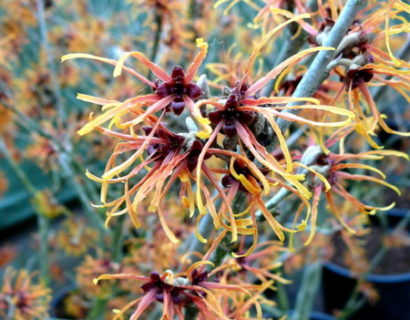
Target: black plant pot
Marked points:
394	291
393	218
320	316
396	215
316	315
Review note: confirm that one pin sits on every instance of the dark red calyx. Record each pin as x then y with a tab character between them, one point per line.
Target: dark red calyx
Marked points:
156	284
179	88
355	78
193	91
240	168
240	90
198	277
178	74
178	296
229	115
178	105
229	129
193	155
22	300
326	23
173	143
323	160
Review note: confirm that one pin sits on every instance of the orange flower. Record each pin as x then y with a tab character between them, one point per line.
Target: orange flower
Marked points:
361	63
7	254
20	299
234	118
4	184
172	92
170	157
177	292
75	237
333	167
91	268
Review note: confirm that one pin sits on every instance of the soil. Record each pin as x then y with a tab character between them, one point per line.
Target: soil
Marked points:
395	261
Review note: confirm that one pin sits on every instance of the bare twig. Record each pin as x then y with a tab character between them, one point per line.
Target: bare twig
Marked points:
55	84
318	72
42	221
157	35
309	157
290	47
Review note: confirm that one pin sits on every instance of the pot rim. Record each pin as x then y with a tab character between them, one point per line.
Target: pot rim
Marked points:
376	278
398	212
321	315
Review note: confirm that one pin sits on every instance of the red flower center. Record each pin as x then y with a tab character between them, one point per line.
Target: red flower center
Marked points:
230	114
178	87
357	77
160	151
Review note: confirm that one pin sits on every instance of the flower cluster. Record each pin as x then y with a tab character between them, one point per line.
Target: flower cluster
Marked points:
232	154
206	116
241	118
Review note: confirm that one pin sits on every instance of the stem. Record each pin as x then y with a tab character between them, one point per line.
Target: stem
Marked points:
309	157
97	310
403	223
221	251
293	138
117	239
42	221
355	302
81	192
157	36
283	300
308	291
192	10
55	84
290	47
205	228
318	72
11	308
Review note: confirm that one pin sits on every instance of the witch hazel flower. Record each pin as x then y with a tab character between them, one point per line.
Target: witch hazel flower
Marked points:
331	183
178	292
172	92
170	157
360	63
234	118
